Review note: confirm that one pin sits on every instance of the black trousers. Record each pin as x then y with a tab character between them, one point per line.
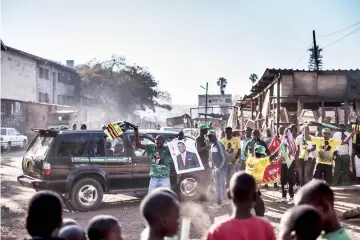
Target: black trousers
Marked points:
323	171
306	170
287	177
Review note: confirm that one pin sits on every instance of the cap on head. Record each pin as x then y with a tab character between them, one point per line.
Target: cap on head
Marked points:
203	126
212	133
326	130
260	149
342	124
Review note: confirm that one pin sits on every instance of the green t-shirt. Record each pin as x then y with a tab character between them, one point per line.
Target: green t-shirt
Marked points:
339	234
159	160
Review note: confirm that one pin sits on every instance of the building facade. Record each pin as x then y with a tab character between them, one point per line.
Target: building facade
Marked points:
26	77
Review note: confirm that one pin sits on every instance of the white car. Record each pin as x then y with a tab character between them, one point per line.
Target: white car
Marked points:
10	137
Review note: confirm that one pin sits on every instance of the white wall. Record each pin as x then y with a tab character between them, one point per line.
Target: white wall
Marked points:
18	77
47	85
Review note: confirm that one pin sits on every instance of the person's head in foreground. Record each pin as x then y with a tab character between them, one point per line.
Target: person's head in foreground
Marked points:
44	214
260	151
104	227
161	211
212	135
319	195
166	190
72	232
69	222
242	192
301	222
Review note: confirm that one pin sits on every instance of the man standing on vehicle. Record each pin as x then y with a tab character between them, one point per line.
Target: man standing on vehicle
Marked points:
232	146
203	146
160	158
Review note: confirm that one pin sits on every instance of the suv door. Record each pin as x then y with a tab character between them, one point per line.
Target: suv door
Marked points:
118	167
70	151
140	161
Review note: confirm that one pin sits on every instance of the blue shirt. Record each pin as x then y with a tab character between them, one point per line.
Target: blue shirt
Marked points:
243	141
218	155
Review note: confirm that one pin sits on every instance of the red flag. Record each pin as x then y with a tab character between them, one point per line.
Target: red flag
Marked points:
273	171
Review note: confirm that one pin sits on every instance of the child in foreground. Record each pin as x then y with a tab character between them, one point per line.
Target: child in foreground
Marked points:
72	232
44	215
161	210
319	195
302	222
145	233
104	227
243	225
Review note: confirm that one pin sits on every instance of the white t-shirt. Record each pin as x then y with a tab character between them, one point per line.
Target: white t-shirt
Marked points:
299	142
343	149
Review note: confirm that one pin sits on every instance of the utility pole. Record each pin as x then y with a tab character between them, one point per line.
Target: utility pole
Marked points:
315	52
206	101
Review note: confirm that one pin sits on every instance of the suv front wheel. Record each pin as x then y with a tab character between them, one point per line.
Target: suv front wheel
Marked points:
86	194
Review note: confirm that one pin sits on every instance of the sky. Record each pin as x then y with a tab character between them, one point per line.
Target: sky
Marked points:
187	43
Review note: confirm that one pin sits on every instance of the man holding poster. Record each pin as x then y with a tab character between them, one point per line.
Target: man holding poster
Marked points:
160	159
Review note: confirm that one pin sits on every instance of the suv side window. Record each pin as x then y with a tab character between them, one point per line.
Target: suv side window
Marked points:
98	146
72	145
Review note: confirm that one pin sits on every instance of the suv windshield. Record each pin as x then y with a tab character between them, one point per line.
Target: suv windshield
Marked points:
40	145
3	131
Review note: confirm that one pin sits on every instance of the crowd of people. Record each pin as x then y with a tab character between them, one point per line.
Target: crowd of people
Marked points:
229	161
313	216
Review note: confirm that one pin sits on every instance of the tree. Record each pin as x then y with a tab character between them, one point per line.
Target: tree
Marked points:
253	78
121	87
222	83
312	62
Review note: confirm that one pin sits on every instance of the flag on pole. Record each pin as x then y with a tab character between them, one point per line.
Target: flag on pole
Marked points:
113	131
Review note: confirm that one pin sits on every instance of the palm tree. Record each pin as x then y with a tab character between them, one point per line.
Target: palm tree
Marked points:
253	78
222	83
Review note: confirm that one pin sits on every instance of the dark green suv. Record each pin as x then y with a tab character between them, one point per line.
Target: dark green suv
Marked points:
84	165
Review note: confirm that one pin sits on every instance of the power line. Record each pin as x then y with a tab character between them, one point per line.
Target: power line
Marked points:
357	29
330	34
302	57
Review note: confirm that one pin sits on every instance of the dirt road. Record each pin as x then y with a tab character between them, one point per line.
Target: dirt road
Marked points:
14	200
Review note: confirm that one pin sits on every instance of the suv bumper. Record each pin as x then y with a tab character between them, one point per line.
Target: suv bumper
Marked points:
39	184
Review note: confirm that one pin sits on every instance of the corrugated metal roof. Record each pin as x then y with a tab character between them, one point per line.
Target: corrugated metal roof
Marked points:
270	73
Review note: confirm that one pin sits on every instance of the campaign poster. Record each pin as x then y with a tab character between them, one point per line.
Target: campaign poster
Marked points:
185	156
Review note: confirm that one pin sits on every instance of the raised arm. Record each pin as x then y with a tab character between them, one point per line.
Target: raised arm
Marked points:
275	154
348	139
137	140
306	132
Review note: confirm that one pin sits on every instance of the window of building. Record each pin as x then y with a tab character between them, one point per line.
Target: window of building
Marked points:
43	97
43	73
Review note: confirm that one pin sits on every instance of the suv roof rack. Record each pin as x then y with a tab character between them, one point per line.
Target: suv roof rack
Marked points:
43	130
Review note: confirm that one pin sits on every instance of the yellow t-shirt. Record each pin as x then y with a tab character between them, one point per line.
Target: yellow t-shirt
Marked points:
325	157
233	144
256	167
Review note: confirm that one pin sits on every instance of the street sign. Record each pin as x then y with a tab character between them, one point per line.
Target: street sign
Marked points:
214	100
